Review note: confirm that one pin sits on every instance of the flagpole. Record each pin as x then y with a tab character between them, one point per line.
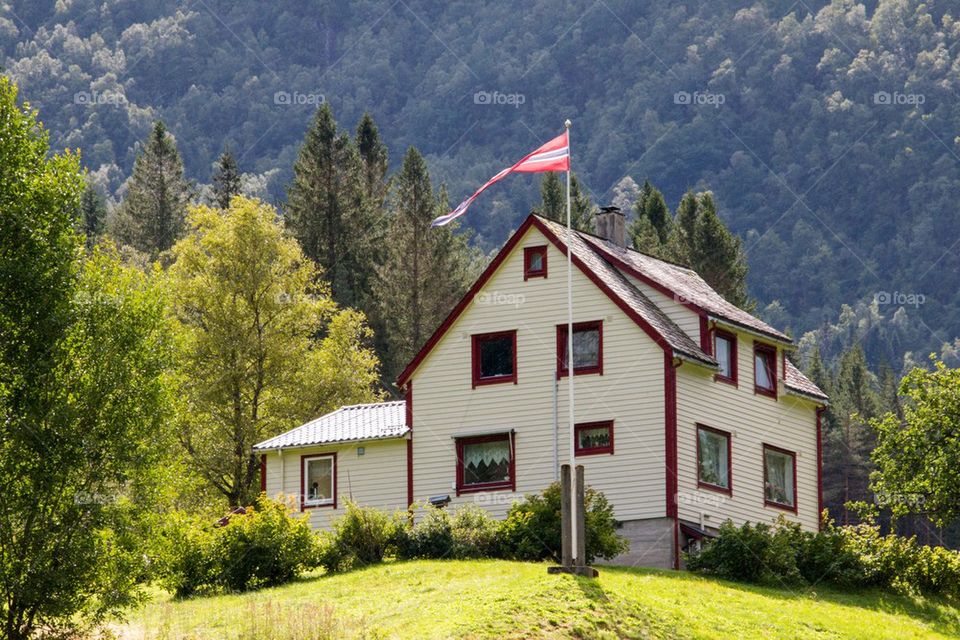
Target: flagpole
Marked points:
570	376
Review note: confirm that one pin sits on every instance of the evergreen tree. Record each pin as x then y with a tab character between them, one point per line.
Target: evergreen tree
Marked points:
679	243
92	215
553	202
652	206
226	180
717	255
645	238
151	216
426	269
326	212
373	155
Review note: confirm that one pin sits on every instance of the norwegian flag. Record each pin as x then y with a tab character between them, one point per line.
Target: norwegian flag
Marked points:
553	156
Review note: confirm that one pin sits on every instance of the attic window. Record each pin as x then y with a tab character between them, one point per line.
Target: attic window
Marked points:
534	262
765	369
494	358
725	350
587	348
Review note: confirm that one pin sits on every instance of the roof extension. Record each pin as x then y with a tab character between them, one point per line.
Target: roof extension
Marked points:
353	423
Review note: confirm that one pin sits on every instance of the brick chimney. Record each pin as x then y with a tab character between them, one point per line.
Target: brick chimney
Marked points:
612	226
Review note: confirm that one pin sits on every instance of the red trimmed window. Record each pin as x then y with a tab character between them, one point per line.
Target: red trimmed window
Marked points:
485	463
590	438
725	351
318	481
534	262
494	358
765	369
779	478
587	348
714	468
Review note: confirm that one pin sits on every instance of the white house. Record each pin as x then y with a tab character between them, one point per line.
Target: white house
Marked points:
688	410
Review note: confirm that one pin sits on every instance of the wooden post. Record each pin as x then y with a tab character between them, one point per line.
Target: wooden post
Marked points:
565	516
581	522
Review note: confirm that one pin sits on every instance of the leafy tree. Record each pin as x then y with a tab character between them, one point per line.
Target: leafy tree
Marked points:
326	212
426	270
249	310
83	350
917	457
226	180
92	214
151	216
553	201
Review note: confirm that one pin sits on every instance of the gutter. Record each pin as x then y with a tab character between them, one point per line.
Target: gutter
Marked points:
786	343
305	445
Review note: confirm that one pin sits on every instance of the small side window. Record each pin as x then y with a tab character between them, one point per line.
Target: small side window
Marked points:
534	262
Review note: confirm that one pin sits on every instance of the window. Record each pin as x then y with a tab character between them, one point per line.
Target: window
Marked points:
485	463
587	348
765	369
593	437
725	351
534	262
779	478
495	358
713	459
318	486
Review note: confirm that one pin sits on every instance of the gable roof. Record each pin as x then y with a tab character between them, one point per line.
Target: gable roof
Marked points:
355	423
796	382
681	284
598	269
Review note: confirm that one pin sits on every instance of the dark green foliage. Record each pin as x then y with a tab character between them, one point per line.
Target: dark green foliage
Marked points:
553	201
373	155
465	532
92	216
265	546
359	537
152	214
226	180
750	553
652	207
532	528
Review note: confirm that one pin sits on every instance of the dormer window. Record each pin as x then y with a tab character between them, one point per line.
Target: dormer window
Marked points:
534	262
765	369
725	351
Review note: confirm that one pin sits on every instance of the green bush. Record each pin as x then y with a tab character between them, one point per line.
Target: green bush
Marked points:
752	553
266	546
531	530
430	538
360	537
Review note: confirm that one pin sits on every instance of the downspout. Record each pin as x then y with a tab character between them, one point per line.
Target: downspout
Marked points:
556	431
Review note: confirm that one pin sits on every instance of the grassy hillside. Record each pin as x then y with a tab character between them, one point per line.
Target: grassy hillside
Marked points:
496	599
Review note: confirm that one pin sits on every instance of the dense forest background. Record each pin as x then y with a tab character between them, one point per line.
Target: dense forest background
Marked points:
827	131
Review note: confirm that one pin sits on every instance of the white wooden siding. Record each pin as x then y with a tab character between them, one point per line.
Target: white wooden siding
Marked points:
753	420
630	392
376	479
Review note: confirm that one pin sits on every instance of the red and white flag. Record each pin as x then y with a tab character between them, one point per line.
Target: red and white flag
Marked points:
552	156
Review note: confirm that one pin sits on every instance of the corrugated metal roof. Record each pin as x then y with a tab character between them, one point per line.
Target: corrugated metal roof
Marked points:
796	381
351	423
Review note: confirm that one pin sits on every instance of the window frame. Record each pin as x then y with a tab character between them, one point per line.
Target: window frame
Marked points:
475	342
772	503
510	484
304	460
701	484
528	253
770	352
731	338
592	451
597	369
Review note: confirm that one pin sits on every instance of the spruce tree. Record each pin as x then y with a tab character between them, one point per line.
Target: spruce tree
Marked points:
680	241
92	215
717	255
226	180
645	238
326	213
373	155
426	269
553	201
151	216
652	206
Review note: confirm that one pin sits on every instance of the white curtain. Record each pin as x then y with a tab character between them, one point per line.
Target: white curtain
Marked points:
779	477
488	453
723	356
764	375
713	458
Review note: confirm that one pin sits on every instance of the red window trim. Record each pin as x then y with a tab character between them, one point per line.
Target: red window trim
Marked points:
303	490
707	485
770	352
528	253
475	341
577	428
732	339
510	484
562	349
796	498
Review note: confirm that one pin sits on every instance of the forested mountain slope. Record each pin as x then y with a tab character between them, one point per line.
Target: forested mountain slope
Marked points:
827	131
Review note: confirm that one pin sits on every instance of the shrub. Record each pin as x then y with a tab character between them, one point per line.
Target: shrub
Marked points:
360	537
750	553
474	533
265	546
532	529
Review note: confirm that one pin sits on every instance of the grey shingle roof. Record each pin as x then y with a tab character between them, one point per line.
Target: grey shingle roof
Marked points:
686	284
679	341
351	423
799	383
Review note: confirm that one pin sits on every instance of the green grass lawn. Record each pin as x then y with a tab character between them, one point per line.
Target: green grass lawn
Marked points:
498	599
